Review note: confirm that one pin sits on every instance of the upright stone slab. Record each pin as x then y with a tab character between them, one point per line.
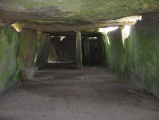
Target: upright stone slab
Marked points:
115	53
26	59
43	43
142	55
78	51
27	48
9	47
146	56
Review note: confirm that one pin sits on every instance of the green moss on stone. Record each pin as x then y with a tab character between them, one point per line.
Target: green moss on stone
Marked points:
115	53
138	57
129	52
85	9
9	42
43	43
142	56
147	52
27	48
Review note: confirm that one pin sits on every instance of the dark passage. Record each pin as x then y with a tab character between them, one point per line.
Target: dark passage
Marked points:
90	51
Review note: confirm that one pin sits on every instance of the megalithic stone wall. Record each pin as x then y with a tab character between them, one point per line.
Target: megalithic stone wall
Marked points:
9	48
27	48
42	50
133	53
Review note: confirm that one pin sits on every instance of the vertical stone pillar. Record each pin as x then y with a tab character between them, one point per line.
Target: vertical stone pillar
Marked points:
26	58
27	48
43	43
78	51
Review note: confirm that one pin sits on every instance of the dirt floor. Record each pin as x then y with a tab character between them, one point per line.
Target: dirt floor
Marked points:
67	94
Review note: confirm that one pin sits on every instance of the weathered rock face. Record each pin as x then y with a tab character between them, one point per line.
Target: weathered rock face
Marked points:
72	12
9	47
134	54
28	73
42	49
83	10
27	48
33	54
115	54
143	56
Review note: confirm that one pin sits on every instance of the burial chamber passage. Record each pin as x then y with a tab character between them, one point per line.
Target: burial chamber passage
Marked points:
120	35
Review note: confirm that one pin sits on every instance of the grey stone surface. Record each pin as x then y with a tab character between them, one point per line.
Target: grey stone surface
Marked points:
28	73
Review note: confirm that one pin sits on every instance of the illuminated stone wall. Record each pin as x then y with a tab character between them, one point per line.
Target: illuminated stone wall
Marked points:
142	56
115	53
133	53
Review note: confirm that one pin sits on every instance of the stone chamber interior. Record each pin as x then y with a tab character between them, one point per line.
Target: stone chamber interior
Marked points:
120	35
131	52
62	50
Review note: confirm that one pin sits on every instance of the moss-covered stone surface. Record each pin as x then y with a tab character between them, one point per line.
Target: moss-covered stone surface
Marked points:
129	45
134	54
27	48
42	49
73	11
142	53
115	52
9	47
82	9
146	56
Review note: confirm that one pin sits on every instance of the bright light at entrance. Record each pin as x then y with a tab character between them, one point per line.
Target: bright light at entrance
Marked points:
18	26
62	37
125	33
108	29
127	30
131	19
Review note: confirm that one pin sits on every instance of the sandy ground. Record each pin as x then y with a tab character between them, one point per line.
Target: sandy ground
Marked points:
65	94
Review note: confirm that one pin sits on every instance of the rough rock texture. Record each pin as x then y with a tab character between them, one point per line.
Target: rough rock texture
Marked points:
133	52
28	73
83	10
144	47
42	49
72	12
27	48
115	52
9	46
102	49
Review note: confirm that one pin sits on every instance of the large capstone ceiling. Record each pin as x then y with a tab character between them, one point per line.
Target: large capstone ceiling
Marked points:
72	14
